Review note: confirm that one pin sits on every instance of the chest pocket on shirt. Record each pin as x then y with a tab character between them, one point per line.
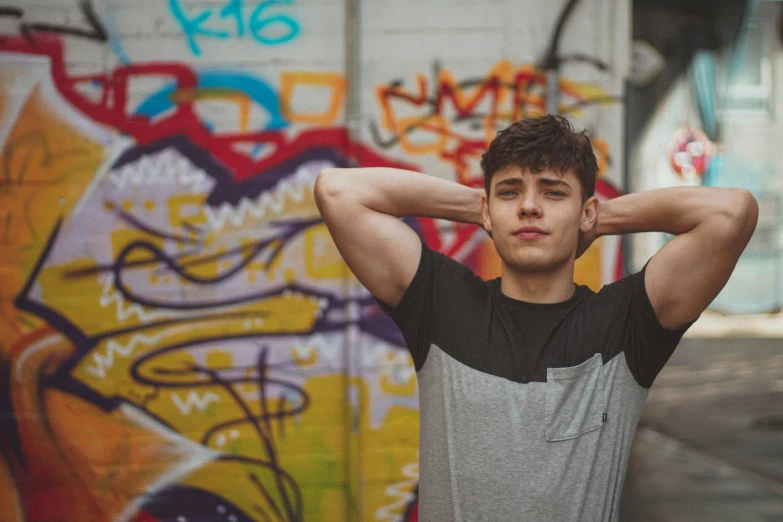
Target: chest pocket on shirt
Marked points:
574	399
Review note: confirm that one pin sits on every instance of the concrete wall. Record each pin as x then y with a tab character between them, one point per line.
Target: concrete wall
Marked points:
178	336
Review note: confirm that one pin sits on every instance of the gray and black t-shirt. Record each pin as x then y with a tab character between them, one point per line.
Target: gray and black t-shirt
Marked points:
527	410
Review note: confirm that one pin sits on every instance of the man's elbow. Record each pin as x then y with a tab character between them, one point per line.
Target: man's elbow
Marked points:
741	213
747	212
327	184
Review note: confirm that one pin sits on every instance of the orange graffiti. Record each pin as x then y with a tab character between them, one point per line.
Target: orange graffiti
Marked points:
438	116
70	473
46	163
289	81
602	156
242	101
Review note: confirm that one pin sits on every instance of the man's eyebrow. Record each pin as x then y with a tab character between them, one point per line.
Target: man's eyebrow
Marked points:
550	182
512	182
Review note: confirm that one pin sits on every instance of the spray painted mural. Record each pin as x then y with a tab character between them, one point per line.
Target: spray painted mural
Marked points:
179	337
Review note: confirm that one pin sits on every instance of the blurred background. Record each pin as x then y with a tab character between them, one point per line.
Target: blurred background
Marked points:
181	341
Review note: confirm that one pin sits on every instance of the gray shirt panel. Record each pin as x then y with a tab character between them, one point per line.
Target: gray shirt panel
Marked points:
494	449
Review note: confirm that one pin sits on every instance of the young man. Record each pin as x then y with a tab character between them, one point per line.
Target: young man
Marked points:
531	387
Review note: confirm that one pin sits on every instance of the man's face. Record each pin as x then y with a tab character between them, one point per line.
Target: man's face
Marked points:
522	203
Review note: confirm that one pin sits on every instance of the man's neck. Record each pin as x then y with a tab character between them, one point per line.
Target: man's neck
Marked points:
538	287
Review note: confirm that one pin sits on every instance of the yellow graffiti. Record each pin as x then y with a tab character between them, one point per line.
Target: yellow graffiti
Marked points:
322	261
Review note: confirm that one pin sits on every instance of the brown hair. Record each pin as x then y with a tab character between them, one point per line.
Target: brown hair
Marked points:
543	143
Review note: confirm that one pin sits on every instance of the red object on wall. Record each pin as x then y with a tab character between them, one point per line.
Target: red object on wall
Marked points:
690	151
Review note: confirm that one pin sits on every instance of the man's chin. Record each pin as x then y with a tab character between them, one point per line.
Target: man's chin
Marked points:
531	264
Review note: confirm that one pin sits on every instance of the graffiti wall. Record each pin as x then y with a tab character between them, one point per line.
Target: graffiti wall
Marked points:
179	337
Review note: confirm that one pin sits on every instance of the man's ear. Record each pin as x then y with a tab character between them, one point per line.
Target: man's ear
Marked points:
486	223
590	211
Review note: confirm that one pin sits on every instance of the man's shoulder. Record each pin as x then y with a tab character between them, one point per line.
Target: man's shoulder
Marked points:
617	289
452	275
606	300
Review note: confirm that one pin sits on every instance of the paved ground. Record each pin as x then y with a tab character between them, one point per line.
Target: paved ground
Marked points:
710	444
714	324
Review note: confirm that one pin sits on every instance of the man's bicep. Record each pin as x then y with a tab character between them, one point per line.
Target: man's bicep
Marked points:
689	271
381	250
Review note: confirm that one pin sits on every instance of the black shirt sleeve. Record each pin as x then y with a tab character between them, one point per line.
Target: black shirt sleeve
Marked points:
433	290
647	344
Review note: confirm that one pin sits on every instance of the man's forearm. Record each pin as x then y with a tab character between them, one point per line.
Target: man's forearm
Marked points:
675	210
403	193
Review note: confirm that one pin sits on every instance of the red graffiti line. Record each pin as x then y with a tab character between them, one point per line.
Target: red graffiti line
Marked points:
111	109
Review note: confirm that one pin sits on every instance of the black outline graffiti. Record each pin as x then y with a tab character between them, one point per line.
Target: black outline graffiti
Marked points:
84	343
289	231
478	116
262	424
96	30
138	224
552	60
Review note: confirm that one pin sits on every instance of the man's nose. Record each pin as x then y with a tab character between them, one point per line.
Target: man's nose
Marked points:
529	204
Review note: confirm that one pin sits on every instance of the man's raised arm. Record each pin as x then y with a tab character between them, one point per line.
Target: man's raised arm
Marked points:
713	227
361	208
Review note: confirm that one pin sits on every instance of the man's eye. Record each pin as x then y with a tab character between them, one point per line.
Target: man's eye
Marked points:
507	192
555	193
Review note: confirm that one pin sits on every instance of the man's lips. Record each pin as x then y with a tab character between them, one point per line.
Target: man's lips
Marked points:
529	233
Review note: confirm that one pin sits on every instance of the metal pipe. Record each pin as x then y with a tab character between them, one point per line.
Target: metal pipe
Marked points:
352	75
551	62
552	91
354	493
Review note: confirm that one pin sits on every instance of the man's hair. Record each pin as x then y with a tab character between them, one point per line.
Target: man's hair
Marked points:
537	144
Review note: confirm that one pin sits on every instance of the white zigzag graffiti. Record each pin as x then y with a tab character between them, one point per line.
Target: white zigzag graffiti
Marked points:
164	167
271	202
402	492
329	350
106	362
194	400
110	295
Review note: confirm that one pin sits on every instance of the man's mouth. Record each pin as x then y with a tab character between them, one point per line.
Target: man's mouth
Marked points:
529	233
